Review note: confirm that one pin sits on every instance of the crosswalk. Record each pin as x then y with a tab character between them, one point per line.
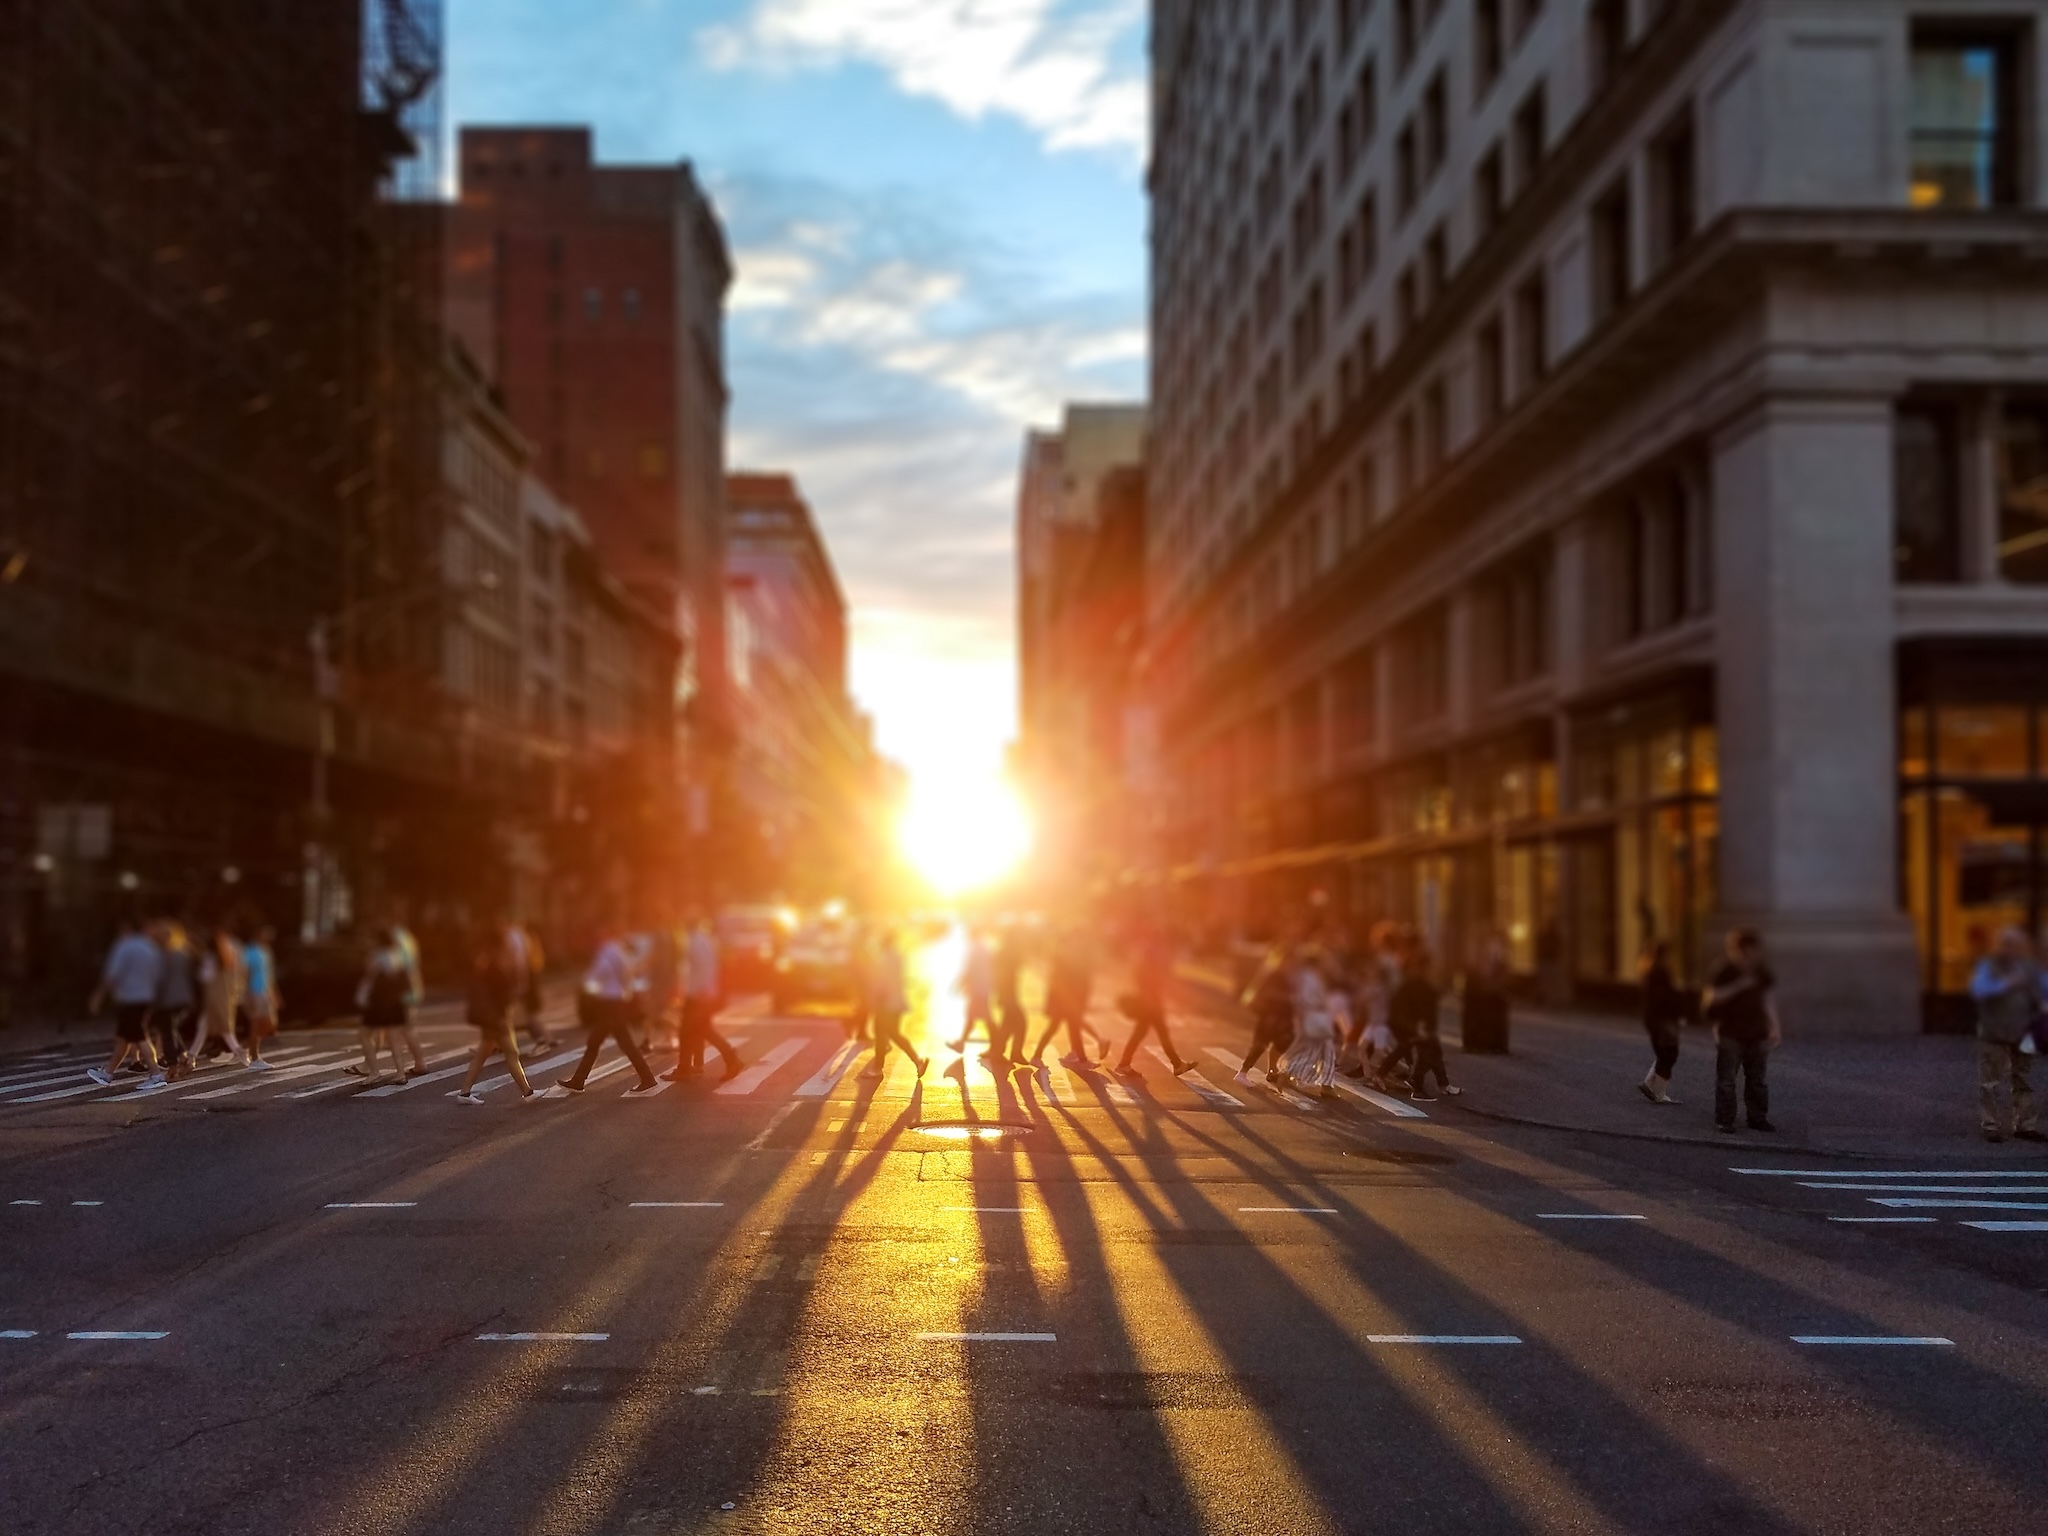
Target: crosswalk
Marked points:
783	1059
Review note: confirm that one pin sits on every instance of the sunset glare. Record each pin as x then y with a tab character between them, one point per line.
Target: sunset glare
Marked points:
964	835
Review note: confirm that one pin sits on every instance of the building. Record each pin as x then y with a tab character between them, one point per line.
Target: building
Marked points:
1080	494
210	309
1595	482
594	296
805	770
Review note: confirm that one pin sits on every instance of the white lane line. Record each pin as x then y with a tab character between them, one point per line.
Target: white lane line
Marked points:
676	1205
988	1338
836	1066
88	1202
760	1142
1854	1340
370	1205
1442	1338
1906	1173
1885	1221
563	1058
2000	1226
69	1075
24	1202
49	1072
611	1068
1386	1101
542	1338
1201	1085
1940	1189
999	1210
1287	1210
763	1069
72	1093
17	1333
311	1066
109	1335
1904	1202
1586	1216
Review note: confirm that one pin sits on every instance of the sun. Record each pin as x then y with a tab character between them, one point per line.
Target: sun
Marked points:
963	836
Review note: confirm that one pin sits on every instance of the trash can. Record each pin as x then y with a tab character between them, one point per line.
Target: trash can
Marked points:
1486	1022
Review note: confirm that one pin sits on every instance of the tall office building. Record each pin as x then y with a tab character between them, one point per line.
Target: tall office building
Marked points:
594	295
1599	477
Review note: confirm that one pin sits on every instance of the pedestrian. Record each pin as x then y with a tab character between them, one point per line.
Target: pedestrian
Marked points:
1271	995
1663	1014
2008	989
493	988
222	982
1311	1060
1413	1017
525	963
415	994
664	986
610	1004
977	984
1069	982
1738	1001
177	1000
703	1000
1484	1016
131	977
860	981
887	1007
261	1003
382	1000
1145	1004
1014	1024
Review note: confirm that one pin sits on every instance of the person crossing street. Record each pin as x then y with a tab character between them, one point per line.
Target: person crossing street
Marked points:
610	1003
131	976
702	1000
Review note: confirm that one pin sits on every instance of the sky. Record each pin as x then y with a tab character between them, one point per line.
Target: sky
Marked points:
937	215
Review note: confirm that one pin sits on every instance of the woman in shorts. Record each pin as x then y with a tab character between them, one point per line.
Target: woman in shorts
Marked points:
492	987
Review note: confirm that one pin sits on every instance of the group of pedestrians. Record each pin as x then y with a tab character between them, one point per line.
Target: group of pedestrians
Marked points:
180	1002
1319	1013
1739	1003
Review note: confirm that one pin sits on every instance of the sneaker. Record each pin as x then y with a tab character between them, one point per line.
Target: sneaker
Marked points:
1422	1098
1071	1060
157	1079
871	1075
1125	1069
258	1064
562	1091
1647	1092
101	1076
1247	1079
641	1090
357	1069
1183	1068
1452	1090
467	1098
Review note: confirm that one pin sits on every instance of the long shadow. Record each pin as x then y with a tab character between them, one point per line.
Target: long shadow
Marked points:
1975	1411
1603	1465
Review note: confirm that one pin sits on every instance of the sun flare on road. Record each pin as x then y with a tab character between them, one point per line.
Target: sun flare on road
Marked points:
964	835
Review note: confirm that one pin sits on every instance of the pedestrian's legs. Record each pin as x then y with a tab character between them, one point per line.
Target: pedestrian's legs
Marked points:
1727	1061
630	1044
2022	1068
710	1036
411	1036
508	1047
1756	1083
484	1041
1994	1065
600	1027
366	1037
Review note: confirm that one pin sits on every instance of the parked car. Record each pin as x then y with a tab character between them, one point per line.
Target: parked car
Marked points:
816	965
750	941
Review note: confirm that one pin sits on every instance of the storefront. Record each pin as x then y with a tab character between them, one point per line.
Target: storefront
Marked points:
1973	798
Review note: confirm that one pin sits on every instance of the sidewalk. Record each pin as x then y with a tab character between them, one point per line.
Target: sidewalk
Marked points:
1910	1097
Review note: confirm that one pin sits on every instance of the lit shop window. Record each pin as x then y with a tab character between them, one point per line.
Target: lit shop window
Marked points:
1964	120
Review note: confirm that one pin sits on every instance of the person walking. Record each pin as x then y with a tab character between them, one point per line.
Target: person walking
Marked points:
1145	1006
703	998
611	1004
222	982
260	1000
177	1000
1414	1016
524	963
1663	1015
2007	986
1014	1024
493	988
860	978
1271	996
130	978
888	1006
1310	1063
415	994
977	984
1738	1001
1068	985
382	1000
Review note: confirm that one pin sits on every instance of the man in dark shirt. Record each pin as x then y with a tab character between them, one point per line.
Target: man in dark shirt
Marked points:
1745	1018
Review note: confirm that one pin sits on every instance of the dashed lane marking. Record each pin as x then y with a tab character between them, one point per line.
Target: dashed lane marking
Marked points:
1586	1216
1896	1173
1876	1340
1442	1338
17	1333
1886	1221
102	1335
371	1205
2002	1226
1933	1188
542	1338
988	1338
1905	1202
676	1205
1287	1210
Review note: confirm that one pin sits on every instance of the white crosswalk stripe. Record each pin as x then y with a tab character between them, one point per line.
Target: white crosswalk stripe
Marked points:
1209	1091
753	1077
837	1065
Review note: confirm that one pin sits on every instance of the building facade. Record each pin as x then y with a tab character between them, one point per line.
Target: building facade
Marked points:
594	296
804	762
1596	478
1080	502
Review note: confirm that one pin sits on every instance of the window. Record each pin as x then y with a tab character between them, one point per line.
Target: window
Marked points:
1489	192
1436	265
1436	125
1965	120
2023	492
1351	16
653	461
1531	132
1407	31
1358	702
1406	470
1486	45
593	303
1406	182
1674	188
1406	304
1606	42
1532	332
1436	427
1612	229
1516	612
629	301
1527	12
1927	542
1422	672
1490	347
1663	555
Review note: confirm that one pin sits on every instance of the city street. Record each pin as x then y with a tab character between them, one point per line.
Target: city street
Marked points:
811	1302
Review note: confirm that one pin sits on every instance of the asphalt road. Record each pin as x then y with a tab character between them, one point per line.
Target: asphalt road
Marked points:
1052	1305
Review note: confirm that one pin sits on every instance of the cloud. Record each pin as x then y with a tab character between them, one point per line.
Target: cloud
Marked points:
1062	69
892	360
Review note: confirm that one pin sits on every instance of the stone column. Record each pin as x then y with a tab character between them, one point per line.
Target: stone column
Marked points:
1807	704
